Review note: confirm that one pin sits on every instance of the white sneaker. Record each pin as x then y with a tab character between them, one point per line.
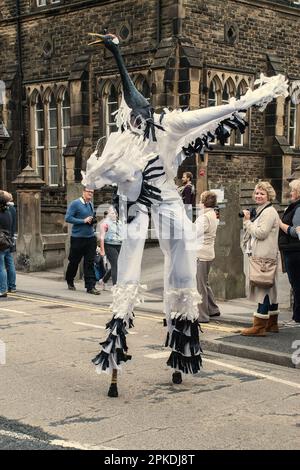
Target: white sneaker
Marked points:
102	285
291	323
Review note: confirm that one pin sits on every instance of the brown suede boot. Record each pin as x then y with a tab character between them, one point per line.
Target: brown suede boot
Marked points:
272	324
258	328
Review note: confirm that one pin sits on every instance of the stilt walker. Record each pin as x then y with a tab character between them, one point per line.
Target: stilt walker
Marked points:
142	158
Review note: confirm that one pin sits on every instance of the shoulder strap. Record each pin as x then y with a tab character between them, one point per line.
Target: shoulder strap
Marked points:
256	217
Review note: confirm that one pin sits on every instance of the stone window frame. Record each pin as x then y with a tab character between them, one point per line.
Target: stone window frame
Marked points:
234	81
140	82
104	92
45	3
293	118
58	91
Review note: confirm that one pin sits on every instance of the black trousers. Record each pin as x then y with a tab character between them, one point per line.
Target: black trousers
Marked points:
112	253
292	266
86	248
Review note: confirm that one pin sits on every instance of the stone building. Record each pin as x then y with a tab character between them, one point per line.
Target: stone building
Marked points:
60	93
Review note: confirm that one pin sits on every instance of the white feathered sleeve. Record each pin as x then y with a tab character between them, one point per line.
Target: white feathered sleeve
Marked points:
121	162
182	128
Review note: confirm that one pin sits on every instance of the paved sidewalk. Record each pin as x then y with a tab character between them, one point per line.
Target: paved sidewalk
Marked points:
221	335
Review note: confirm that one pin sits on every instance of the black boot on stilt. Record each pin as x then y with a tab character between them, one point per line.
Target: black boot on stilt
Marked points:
177	377
113	391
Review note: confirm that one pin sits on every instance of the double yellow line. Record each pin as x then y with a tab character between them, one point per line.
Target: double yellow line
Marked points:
147	316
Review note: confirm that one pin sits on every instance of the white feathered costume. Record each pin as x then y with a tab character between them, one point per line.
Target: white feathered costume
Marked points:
148	148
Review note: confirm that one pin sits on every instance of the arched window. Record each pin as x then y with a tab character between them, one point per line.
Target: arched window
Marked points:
225	100
239	138
65	128
50	132
146	90
39	133
212	95
53	176
222	86
111	107
225	94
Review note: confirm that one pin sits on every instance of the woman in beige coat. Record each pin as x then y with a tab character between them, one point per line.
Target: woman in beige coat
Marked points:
206	225
261	240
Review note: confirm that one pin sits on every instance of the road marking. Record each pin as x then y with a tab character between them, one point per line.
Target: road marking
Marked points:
230	329
89	324
12	311
52	301
158	355
107	310
254	373
100	327
163	354
52	442
49	300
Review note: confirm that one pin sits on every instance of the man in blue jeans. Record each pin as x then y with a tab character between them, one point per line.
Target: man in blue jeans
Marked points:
8	277
80	213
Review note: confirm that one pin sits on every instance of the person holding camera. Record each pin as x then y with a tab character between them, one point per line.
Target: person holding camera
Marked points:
6	242
81	215
261	244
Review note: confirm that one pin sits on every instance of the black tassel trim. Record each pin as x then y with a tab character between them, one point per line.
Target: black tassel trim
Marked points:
118	326
185	332
103	358
187	365
222	133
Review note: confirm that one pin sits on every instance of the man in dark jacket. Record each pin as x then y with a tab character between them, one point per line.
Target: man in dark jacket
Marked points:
7	279
188	193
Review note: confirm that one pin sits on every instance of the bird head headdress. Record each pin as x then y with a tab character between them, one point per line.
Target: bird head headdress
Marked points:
139	113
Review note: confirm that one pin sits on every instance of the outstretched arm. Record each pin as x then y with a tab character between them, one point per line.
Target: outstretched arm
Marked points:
269	88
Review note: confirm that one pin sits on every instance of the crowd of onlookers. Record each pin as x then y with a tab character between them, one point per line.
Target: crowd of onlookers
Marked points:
268	241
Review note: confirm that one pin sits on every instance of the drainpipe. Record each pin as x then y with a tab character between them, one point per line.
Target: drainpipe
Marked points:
158	22
22	161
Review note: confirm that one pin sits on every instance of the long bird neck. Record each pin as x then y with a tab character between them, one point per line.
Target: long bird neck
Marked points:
128	84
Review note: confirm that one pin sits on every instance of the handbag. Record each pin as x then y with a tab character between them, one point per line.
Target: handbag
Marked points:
5	241
262	271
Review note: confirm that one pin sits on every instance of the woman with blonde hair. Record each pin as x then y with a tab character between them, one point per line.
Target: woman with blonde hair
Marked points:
261	245
289	245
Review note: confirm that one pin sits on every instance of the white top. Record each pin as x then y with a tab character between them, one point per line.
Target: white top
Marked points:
206	224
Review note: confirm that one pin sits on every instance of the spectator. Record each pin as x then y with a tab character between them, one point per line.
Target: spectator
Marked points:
261	243
110	243
81	214
6	229
188	193
289	245
9	258
99	265
206	224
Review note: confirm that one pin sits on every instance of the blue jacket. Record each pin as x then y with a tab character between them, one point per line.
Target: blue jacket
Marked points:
77	211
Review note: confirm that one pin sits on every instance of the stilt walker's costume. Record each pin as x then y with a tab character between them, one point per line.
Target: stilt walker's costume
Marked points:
142	157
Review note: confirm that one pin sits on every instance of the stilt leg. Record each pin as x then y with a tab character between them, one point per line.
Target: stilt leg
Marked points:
113	389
